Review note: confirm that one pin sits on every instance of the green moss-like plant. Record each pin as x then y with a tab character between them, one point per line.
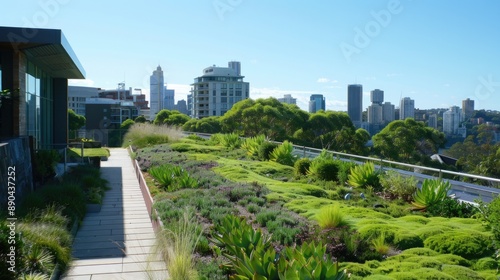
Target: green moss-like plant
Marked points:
422	273
406	240
420	252
486	263
459	243
460	272
357	269
452	259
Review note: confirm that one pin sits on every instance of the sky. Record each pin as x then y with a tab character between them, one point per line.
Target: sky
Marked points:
435	52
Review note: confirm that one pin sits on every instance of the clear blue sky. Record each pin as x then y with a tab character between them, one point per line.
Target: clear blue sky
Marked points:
436	52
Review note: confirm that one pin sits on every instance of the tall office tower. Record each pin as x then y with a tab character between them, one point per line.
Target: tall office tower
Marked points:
355	103
316	103
451	120
217	90
288	99
156	92
467	108
407	108
377	96
375	114
168	99
433	122
388	112
236	65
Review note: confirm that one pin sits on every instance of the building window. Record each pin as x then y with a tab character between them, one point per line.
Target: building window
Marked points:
238	93
223	85
223	92
214	92
214	100
223	99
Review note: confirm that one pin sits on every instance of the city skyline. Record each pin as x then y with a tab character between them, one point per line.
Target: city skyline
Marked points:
435	53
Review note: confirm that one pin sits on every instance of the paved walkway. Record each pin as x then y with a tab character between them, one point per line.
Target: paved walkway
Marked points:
116	242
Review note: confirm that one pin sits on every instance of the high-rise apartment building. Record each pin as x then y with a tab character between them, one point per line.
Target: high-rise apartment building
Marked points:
451	120
288	99
156	92
432	122
467	108
388	112
316	103
377	96
375	114
407	108
355	103
217	90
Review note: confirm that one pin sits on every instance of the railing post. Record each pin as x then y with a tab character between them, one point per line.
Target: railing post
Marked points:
65	158
440	174
304	149
82	150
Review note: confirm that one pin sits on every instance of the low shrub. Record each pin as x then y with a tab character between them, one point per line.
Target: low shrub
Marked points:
449	208
265	150
301	166
452	259
324	169
396	185
344	171
266	216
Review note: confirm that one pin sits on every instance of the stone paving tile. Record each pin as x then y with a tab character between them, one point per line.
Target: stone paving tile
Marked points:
117	242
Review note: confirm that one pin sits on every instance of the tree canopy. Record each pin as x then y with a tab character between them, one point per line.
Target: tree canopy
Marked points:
75	121
407	141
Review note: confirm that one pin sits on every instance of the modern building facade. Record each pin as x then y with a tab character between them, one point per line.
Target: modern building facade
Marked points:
36	65
355	103
77	96
217	90
288	99
316	102
377	96
156	92
168	99
433	121
388	112
467	108
451	120
406	108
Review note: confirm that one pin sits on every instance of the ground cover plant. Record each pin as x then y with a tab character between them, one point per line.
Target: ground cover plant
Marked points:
380	234
45	218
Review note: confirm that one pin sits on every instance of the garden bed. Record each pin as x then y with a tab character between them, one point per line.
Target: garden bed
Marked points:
393	241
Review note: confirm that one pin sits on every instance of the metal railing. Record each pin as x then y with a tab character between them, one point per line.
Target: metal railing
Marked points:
303	150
